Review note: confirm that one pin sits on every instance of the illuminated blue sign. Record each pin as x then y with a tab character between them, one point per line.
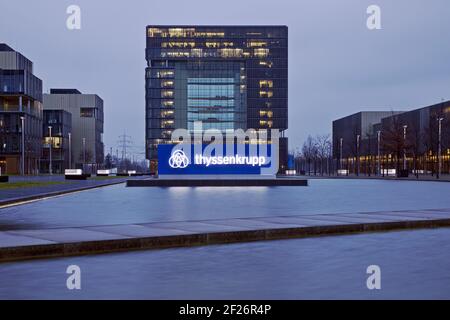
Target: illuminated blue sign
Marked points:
221	159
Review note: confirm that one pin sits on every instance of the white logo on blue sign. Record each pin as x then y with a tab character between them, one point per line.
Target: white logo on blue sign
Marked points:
178	160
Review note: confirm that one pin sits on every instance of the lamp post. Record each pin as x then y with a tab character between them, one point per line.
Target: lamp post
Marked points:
379	153
70	150
404	146
358	137
341	141
50	166
22	162
84	152
440	146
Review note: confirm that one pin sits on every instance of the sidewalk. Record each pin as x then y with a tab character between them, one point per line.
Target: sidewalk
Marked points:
46	186
46	243
443	178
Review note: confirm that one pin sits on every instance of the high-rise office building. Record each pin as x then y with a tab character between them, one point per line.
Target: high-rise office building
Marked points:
20	114
87	125
228	77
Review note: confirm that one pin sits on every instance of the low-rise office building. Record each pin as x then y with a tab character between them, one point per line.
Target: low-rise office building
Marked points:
86	110
20	114
416	141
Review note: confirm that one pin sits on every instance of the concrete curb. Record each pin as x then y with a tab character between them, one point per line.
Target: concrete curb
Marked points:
373	178
218	182
18	200
121	244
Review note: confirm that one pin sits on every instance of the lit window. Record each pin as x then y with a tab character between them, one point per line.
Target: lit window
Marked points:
55	141
212	44
180	32
177	44
259	44
87	112
209	34
266	94
165	74
166	113
261	52
265	83
175	54
231	53
167	94
154	32
264	123
167	103
266	63
266	113
196	52
167	123
166	84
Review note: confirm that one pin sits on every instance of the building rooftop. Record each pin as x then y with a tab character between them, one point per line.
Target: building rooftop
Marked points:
5	47
213	26
64	91
375	113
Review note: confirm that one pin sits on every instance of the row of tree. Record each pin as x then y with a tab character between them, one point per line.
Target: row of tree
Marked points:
400	144
125	164
315	157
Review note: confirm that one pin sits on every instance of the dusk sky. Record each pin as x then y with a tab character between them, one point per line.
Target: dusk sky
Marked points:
337	66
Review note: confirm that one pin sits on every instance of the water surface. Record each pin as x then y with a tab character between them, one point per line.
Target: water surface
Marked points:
121	205
414	264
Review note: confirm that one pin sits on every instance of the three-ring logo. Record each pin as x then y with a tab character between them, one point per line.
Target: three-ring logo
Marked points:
178	160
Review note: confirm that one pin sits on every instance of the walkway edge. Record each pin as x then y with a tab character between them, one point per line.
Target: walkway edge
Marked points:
19	200
201	239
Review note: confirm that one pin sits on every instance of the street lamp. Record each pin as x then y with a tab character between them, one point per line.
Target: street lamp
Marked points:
440	146
357	154
84	152
379	156
70	150
404	146
22	163
340	160
50	167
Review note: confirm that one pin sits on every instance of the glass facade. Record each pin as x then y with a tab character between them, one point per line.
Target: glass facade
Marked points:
60	122
20	97
228	77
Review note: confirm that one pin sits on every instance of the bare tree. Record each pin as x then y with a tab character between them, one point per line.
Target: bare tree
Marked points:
309	152
415	144
367	146
394	142
352	145
323	145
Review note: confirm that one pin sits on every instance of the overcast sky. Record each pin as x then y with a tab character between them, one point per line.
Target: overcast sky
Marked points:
336	65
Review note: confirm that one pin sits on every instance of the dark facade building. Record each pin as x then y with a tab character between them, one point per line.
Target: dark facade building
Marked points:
86	111
359	128
57	129
20	112
410	141
416	136
228	77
